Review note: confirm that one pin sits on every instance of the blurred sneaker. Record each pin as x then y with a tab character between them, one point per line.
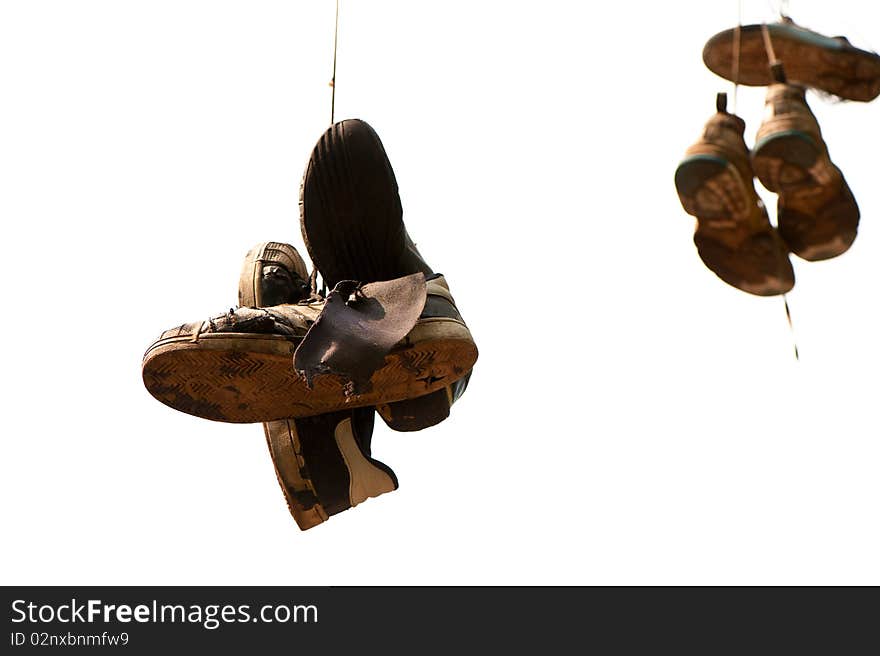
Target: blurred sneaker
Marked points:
817	214
733	235
352	223
830	64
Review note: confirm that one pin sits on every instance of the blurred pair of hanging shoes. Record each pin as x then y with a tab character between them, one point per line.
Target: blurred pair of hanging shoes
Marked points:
388	336
715	183
817	215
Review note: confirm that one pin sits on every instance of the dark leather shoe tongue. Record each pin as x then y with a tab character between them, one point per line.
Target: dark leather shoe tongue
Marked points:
358	327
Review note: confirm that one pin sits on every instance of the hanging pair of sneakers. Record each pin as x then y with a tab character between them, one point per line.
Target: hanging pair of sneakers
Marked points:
817	215
314	370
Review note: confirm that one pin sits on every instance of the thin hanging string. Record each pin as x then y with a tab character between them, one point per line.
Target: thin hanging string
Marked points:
768	44
779	75
313	282
737	41
783	8
780	7
333	79
314	295
313	277
790	326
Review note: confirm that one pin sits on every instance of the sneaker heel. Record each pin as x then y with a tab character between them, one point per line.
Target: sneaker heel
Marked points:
707	186
784	160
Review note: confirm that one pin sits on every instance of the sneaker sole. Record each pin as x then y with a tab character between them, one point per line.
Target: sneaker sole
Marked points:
784	161
763	253
812	59
247	378
789	162
710	187
349	190
292	474
823	234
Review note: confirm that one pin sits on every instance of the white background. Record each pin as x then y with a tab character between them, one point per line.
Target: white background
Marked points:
631	419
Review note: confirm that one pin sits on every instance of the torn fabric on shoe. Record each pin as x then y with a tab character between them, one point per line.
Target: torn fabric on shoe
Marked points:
359	325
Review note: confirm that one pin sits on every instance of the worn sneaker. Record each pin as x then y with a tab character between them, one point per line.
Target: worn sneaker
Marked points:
240	366
817	214
352	223
430	409
273	273
829	64
323	464
733	234
350	211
